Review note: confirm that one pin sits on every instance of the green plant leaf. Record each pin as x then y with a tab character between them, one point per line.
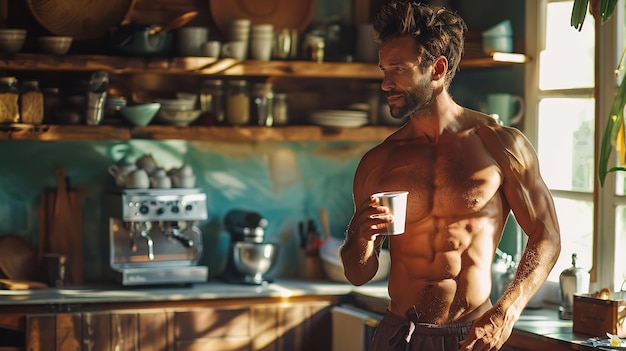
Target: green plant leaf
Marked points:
606	9
579	12
610	132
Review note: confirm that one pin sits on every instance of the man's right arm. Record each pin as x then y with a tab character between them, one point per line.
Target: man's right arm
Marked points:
359	252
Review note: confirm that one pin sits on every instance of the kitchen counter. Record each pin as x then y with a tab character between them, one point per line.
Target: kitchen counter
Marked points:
206	291
540	325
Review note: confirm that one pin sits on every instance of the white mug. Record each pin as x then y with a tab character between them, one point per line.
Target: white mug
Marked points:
235	49
211	48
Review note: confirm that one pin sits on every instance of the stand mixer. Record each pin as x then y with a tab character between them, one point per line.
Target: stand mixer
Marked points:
153	237
250	258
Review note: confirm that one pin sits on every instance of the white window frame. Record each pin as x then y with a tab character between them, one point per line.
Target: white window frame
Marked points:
604	198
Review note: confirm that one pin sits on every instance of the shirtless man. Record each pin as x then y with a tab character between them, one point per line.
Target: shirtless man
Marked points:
464	173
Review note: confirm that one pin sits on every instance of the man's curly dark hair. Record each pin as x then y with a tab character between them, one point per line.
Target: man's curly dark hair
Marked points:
437	31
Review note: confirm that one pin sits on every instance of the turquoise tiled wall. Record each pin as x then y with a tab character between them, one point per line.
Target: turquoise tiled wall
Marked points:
285	182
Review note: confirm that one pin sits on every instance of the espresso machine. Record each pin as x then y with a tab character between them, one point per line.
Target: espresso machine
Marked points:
153	236
250	257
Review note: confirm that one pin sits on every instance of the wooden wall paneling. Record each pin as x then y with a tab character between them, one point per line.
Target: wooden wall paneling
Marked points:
264	333
41	332
69	332
124	329
152	331
97	331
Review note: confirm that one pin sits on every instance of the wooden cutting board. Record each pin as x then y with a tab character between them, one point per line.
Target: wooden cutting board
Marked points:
61	227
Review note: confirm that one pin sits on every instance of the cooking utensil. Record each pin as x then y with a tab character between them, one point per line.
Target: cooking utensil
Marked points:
64	224
82	20
325	223
176	23
18	258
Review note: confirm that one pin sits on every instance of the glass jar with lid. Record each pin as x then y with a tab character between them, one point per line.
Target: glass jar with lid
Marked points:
212	99
262	104
238	103
31	103
9	94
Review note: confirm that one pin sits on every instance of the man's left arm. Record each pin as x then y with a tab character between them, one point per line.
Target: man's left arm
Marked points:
533	207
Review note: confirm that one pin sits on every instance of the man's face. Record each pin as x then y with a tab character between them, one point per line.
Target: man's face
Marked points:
407	88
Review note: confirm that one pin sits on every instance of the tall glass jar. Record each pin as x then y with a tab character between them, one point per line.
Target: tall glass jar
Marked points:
262	104
9	94
238	103
31	103
281	110
212	99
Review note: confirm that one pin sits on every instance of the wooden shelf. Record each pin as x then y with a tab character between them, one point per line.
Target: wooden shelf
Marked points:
192	133
221	67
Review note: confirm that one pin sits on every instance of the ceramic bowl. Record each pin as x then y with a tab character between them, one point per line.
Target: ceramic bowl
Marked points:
12	40
140	115
56	45
177	104
178	118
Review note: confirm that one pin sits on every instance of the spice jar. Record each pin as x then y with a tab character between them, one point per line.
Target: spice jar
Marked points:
262	104
212	99
31	103
9	109
238	103
281	110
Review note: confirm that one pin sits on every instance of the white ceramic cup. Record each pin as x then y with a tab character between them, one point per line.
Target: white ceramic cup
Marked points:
396	202
235	49
261	47
147	163
190	40
211	48
120	171
137	179
183	181
161	182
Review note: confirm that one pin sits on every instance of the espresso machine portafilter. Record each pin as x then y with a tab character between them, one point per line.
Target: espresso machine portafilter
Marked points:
154	237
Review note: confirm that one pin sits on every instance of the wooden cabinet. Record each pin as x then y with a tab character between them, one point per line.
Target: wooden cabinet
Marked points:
281	326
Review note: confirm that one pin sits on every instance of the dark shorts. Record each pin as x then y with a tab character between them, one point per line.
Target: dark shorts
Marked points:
393	331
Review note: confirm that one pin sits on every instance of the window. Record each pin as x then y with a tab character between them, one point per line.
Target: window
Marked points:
561	122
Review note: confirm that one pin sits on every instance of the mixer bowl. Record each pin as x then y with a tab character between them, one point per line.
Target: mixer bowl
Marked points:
254	259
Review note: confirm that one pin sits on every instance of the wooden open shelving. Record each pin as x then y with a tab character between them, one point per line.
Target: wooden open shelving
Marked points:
221	67
192	133
208	66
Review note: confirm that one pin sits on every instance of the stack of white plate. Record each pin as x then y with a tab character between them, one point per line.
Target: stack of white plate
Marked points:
339	118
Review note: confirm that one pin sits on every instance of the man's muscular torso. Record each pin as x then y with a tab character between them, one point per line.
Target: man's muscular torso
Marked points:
455	216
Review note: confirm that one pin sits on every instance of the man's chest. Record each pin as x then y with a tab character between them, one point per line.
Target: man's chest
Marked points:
452	178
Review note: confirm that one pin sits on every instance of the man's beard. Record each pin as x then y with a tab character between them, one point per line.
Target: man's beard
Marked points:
416	98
